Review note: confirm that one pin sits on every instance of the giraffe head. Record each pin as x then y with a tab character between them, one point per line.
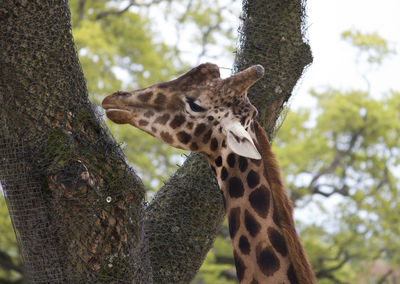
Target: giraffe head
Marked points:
198	111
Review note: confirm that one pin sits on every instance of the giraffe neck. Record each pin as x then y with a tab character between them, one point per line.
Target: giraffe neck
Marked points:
265	243
260	251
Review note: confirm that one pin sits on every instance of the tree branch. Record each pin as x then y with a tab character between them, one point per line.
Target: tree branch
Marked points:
328	271
115	12
182	220
277	43
344	190
74	202
340	155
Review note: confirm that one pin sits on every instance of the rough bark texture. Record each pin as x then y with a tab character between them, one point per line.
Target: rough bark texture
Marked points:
76	206
272	34
74	202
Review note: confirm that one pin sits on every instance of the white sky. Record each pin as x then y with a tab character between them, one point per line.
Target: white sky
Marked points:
334	60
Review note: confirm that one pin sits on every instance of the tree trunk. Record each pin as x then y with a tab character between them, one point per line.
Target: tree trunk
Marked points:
77	208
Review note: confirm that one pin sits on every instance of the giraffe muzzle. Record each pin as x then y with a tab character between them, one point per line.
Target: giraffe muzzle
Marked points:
116	110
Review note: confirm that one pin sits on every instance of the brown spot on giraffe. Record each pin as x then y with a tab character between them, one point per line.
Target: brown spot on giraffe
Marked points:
267	260
253	179
200	129
277	241
218	161
231	160
194	146
292	275
234	221
244	245
143	122
189	125
201	112
161	99
214	144
184	137
240	266
166	137
148	114
145	97
177	121
242	164
207	137
235	187
252	225
224	174
259	200
163	119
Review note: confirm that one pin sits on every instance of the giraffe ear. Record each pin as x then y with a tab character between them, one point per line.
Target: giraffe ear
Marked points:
239	140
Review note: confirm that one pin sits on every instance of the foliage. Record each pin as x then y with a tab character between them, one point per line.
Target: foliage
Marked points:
372	44
345	152
344	156
9	257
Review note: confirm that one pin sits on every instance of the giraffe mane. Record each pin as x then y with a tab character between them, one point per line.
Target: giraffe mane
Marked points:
283	207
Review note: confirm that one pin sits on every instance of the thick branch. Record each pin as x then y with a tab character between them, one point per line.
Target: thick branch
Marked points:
271	35
73	200
182	221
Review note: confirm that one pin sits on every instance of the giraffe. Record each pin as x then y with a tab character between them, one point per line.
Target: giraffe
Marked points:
203	113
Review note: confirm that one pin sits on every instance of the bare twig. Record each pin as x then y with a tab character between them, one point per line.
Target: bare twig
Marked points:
114	11
327	273
315	188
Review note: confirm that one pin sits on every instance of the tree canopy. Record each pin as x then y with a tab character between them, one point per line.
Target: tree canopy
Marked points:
340	157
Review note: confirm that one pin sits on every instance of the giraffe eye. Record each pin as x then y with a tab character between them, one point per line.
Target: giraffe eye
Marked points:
195	107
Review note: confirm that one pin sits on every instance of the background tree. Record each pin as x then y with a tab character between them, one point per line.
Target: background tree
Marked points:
82	217
347	155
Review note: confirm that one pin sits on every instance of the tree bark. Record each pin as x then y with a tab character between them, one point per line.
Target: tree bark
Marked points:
77	207
272	34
